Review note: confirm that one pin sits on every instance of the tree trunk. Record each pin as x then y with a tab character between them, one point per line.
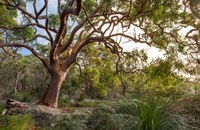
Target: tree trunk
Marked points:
124	86
16	82
51	95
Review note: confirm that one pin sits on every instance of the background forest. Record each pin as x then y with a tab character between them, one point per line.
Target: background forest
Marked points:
23	77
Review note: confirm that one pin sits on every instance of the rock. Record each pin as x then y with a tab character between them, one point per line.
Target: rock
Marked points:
42	115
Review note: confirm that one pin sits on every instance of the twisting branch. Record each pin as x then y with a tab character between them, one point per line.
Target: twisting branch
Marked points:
88	19
81	73
63	27
59	7
63	15
42	9
79	26
34	7
80	70
8	52
47	22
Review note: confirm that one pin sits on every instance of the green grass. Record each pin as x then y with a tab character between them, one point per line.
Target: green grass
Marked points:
1	108
22	97
22	122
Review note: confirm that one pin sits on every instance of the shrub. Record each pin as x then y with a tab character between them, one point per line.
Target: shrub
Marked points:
1	108
136	115
22	122
100	118
63	103
73	123
22	97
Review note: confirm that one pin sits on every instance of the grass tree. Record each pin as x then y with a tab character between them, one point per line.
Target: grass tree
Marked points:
144	114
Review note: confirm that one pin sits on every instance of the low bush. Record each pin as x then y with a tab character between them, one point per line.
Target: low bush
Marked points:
22	122
63	102
22	97
136	115
1	108
73	123
101	118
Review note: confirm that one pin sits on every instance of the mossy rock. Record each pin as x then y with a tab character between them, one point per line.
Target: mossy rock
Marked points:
42	115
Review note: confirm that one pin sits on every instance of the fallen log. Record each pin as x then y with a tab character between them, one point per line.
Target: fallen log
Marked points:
11	103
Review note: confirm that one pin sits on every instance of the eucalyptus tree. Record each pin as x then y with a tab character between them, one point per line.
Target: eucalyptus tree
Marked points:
98	71
78	23
11	72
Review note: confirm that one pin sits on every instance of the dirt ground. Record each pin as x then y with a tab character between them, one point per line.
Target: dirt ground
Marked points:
189	108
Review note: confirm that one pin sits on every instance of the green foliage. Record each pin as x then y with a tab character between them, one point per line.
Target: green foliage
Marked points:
155	10
159	22
73	123
32	78
100	118
93	74
24	34
22	97
149	114
194	7
90	5
24	122
102	79
63	102
159	10
7	16
163	69
99	71
44	49
54	21
1	108
158	79
136	114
